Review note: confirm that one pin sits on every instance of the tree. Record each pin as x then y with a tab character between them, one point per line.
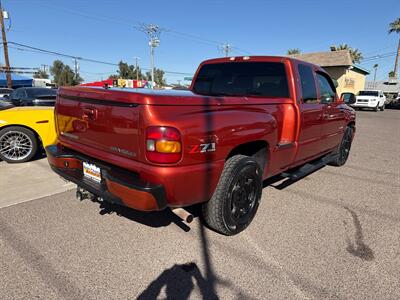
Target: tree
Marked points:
126	71
391	74
394	27
41	74
293	51
63	75
356	55
158	77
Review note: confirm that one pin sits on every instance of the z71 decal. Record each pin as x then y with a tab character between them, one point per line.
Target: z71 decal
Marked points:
203	148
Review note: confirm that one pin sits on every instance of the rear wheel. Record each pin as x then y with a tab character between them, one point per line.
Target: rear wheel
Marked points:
237	196
344	148
17	144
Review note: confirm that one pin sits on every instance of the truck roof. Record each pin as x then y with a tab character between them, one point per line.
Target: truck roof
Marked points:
257	58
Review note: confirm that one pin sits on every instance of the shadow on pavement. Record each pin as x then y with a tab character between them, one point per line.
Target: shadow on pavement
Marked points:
179	282
161	218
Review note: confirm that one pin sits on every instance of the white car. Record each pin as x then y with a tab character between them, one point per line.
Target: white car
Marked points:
5	92
370	99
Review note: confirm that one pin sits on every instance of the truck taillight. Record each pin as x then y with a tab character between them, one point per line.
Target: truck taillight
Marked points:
163	145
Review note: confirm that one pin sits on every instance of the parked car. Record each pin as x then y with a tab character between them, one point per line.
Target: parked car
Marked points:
370	99
24	131
33	96
243	120
4	92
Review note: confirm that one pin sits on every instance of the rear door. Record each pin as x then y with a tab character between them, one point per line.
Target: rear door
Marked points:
311	115
333	113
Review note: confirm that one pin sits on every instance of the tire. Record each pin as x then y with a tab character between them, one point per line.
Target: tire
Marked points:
376	108
17	144
383	107
237	196
343	150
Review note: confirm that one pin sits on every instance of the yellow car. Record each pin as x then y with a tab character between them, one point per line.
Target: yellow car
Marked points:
24	130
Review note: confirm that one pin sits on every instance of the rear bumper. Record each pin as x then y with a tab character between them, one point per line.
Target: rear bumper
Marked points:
117	185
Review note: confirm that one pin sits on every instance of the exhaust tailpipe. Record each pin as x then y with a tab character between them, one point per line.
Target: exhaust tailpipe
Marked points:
183	214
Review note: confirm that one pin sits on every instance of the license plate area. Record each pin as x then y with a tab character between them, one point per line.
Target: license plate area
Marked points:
91	171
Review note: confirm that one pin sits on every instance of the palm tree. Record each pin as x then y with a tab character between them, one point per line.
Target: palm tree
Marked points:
356	55
293	51
394	27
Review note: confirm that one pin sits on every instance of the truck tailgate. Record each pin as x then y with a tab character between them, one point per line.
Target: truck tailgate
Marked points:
109	126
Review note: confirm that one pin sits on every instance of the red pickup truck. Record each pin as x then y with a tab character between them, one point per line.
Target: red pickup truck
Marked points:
243	120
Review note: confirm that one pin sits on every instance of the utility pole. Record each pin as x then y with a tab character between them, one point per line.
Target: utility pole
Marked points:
136	67
153	32
375	68
76	67
5	47
226	48
44	68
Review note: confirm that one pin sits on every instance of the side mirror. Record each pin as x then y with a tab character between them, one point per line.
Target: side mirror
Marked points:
352	99
348	98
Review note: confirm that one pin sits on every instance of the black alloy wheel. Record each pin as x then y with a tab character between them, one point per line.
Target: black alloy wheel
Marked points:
344	148
237	196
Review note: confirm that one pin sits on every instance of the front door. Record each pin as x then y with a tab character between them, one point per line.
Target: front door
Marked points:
311	115
333	113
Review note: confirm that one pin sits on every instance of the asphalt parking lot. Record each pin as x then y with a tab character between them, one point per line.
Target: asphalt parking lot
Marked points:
332	235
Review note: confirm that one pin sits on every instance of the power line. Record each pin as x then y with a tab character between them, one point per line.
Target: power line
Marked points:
55	53
139	26
377	57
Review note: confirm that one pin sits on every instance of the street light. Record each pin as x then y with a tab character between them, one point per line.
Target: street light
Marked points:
375	69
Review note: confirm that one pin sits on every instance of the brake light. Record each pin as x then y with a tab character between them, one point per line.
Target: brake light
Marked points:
163	145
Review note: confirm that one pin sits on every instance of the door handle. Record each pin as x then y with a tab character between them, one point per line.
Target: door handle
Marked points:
89	113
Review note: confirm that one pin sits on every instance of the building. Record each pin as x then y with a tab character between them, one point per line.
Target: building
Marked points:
350	77
16	81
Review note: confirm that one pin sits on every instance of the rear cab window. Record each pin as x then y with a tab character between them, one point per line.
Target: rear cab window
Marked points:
262	79
307	82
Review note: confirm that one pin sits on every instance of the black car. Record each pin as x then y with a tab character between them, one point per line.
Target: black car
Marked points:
33	96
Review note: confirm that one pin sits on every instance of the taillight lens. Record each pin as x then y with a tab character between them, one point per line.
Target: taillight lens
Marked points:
163	145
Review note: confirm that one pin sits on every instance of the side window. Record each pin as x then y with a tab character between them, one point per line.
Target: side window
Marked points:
308	88
326	89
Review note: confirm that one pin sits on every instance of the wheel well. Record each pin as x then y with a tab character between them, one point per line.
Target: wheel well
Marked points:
26	127
352	124
256	149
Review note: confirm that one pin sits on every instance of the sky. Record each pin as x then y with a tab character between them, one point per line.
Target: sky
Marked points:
193	31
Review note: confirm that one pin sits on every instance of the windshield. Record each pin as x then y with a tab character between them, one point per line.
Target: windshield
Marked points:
368	93
267	79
